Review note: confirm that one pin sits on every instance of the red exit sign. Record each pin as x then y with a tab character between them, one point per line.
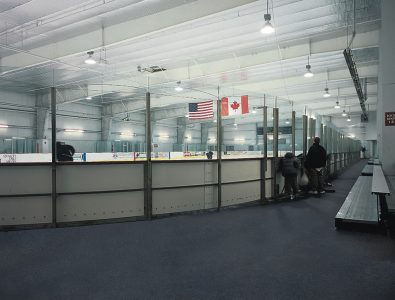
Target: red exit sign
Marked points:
390	119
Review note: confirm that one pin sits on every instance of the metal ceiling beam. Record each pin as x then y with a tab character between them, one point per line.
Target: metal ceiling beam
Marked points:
357	83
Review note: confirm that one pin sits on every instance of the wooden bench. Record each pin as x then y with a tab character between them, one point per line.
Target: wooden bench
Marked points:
367	170
360	205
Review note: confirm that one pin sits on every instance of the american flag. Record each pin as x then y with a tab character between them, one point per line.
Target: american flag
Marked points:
201	110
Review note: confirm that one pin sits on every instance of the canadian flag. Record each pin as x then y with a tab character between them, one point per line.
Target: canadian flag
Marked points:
232	106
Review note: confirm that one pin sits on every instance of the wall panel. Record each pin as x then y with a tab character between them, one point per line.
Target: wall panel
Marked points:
85	207
101	177
25	210
17	180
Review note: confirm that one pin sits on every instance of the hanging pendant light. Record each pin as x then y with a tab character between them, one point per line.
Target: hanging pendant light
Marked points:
348	118
344	114
90	60
337	106
178	87
268	27
326	93
308	73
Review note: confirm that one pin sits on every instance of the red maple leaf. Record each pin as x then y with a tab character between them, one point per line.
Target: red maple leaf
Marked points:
235	105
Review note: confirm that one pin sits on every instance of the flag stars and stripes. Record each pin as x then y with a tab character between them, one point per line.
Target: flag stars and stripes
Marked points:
201	110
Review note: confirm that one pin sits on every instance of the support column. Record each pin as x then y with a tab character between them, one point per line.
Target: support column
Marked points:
204	127
43	109
181	128
106	126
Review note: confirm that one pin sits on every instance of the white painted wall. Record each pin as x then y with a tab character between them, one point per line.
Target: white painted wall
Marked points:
386	103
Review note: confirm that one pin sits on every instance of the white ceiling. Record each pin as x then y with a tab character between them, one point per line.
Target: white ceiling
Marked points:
204	44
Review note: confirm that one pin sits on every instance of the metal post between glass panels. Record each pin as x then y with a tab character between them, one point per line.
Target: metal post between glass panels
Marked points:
293	131
326	132
311	131
53	146
219	152
275	151
304	135
148	165
314	133
264	136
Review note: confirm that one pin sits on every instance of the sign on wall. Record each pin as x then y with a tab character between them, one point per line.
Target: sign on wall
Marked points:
390	119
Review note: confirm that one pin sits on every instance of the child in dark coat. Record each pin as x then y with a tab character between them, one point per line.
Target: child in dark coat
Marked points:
289	166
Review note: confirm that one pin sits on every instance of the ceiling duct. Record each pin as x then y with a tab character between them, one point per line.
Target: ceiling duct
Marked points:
357	83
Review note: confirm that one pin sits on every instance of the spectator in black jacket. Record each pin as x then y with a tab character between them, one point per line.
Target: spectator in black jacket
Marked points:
289	166
64	152
315	163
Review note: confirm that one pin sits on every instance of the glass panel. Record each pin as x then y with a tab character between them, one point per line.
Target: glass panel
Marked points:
184	121
298	135
25	119
284	127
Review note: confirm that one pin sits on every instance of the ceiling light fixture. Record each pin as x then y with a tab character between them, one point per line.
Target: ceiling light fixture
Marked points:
127	133
326	90
74	130
90	60
254	110
308	73
326	93
178	87
268	27
337	106
287	121
88	98
348	118
344	114
3	126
